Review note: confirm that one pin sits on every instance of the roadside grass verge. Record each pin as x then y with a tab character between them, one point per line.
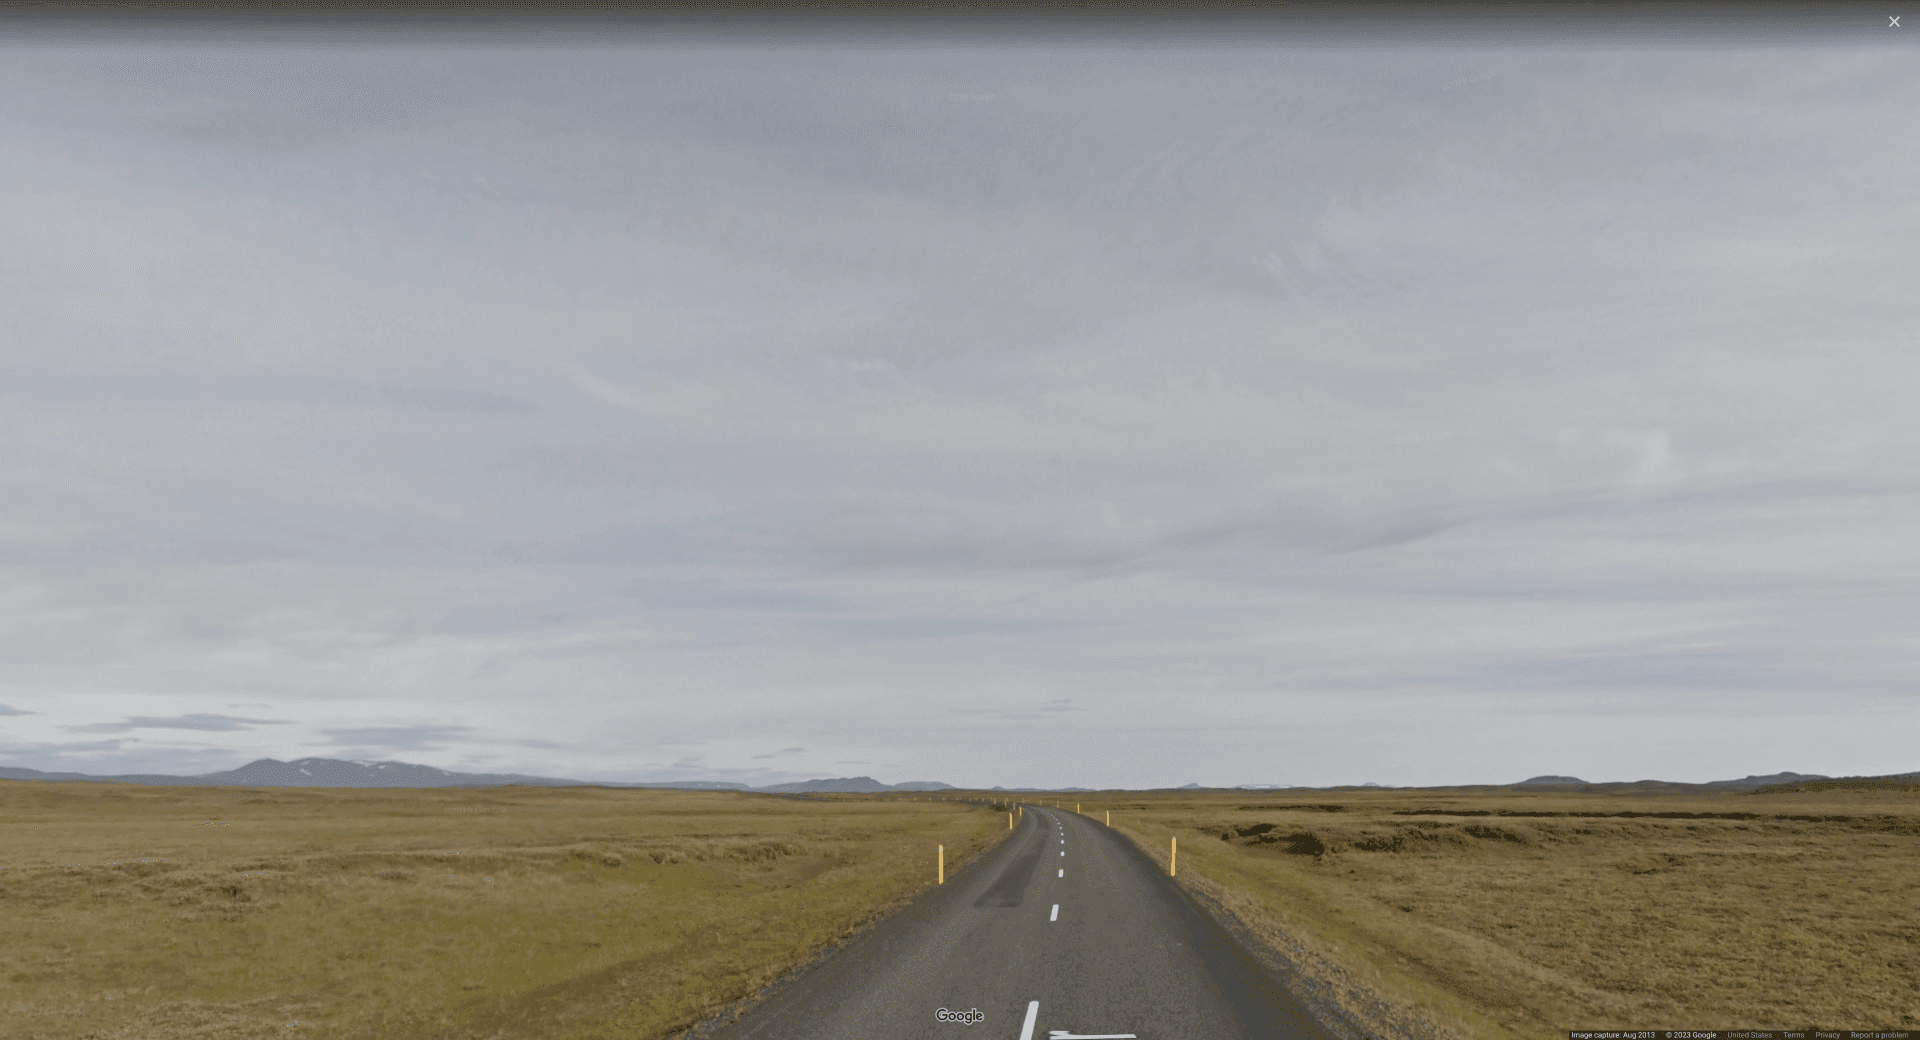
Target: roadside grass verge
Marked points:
167	913
1505	915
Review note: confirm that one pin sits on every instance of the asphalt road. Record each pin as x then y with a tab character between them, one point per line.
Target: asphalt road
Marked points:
1064	931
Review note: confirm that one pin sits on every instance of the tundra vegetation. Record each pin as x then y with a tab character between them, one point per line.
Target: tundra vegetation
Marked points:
167	913
1505	914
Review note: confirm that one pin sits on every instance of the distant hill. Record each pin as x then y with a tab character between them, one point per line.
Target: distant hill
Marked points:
853	785
9	773
334	772
1892	782
1749	783
1754	782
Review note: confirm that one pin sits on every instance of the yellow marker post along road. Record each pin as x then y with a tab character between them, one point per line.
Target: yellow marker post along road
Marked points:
1173	859
943	865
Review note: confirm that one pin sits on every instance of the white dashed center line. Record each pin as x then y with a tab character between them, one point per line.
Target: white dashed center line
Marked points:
1056	913
1063	872
1033	1012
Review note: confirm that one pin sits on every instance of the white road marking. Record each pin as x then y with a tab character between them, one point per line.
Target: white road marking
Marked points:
1061	1034
1063	872
1056	913
1033	1012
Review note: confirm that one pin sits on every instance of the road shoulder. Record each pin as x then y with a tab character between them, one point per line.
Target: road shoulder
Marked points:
1341	1005
961	872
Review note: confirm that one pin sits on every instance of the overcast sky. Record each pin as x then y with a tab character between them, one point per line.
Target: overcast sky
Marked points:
1026	413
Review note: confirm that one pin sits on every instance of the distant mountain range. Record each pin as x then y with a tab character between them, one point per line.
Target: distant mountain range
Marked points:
334	772
852	785
1749	783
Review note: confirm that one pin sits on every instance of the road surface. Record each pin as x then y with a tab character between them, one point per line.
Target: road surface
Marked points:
1065	931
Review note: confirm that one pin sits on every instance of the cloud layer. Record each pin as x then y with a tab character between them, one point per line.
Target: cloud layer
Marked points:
996	415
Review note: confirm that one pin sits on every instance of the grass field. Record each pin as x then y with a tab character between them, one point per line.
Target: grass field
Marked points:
1519	915
167	913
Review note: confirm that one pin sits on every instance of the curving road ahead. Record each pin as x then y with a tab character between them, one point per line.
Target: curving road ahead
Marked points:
1065	931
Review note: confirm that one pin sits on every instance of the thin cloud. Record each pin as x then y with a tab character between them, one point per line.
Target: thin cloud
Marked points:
6	710
34	749
202	722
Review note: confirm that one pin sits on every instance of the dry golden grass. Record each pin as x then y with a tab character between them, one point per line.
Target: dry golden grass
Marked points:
1508	926
166	913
